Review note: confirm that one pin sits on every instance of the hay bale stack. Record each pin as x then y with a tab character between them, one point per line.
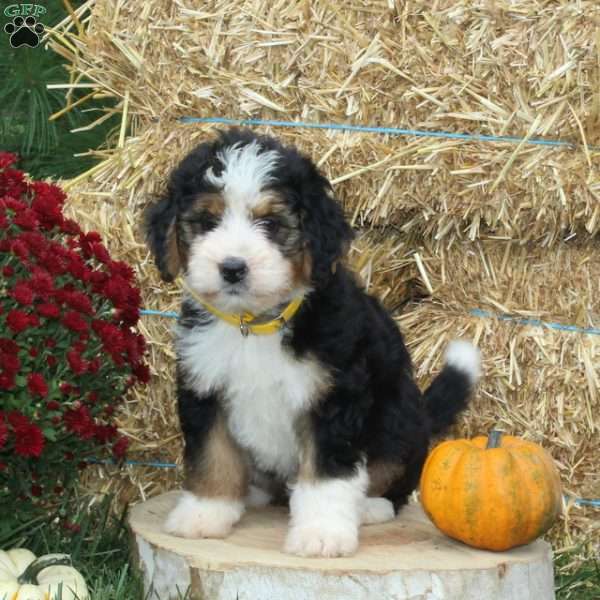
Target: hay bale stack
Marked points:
468	224
501	68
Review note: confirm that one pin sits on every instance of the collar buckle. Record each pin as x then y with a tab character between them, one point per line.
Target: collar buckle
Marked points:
244	329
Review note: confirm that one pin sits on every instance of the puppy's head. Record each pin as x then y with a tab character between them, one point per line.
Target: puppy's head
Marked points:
251	223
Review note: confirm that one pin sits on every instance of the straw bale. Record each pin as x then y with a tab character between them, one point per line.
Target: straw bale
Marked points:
522	68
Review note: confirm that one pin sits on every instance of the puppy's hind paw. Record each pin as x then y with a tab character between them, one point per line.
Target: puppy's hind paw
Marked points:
377	510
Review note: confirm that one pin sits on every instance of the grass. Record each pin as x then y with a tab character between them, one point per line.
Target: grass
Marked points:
100	551
577	578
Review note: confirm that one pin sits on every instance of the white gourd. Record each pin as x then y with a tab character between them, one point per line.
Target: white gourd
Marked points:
25	577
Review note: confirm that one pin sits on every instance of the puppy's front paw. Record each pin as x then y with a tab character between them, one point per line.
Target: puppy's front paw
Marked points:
195	517
320	540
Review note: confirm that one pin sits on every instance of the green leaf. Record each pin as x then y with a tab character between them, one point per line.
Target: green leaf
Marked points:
49	433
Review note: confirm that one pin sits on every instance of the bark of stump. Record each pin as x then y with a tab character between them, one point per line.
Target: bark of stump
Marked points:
406	559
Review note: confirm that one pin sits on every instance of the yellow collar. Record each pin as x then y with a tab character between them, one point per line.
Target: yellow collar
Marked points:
244	321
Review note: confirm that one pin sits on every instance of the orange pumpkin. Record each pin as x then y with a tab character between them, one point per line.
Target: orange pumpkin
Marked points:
493	493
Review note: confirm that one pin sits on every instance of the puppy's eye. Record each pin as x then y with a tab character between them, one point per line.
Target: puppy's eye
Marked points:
203	221
270	224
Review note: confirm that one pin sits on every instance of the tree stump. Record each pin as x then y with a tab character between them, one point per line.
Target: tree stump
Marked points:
405	559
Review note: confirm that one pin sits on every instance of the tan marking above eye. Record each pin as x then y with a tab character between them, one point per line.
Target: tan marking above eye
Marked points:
211	202
270	204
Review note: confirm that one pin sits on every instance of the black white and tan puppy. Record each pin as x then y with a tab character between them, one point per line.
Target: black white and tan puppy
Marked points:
292	381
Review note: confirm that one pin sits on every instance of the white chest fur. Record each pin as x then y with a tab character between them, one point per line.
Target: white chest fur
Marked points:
264	386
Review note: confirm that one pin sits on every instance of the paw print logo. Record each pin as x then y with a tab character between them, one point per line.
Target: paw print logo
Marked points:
24	32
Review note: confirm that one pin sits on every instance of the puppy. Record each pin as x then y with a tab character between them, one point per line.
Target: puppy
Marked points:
292	381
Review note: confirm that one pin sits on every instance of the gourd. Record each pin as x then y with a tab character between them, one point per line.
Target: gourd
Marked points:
25	577
492	493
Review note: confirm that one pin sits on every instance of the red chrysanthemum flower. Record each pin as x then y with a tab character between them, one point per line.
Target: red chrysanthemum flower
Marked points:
22	293
47	203
120	448
78	365
41	282
9	362
8	346
26	219
100	252
77	268
19	248
79	421
66	388
117	290
17	420
128	315
121	269
7	159
52	405
36	384
29	439
105	433
80	302
70	227
18	321
86	240
8	271
12	183
48	310
37	244
142	372
75	322
7	381
94	365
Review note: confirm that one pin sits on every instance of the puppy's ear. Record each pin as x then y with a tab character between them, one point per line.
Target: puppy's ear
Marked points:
161	235
327	234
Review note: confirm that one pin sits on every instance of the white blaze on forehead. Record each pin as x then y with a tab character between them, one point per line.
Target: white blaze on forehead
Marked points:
246	171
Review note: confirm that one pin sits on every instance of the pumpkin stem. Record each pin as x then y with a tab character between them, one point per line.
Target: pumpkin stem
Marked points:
494	439
29	575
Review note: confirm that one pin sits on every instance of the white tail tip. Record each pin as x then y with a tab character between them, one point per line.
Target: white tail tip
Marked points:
466	358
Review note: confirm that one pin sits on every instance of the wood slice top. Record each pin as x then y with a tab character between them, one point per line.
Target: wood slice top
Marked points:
410	542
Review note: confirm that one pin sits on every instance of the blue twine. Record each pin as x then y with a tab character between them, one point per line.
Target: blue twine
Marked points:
595	502
384	130
159	313
477	312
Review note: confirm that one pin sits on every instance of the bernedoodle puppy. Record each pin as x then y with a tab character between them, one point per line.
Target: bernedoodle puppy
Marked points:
292	381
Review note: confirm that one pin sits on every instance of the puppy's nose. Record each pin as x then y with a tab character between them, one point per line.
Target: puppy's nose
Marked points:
233	269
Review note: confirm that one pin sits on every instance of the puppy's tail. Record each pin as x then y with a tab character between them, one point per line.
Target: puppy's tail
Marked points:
449	392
